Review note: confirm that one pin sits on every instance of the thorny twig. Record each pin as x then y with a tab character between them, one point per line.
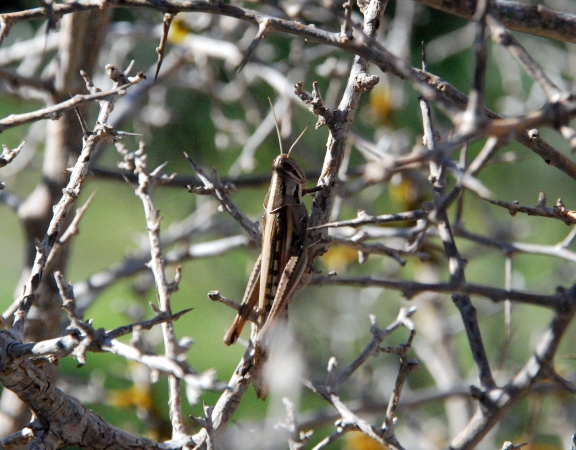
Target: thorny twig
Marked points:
358	242
137	162
559	211
215	296
350	421
263	29
84	337
213	186
8	155
475	122
54	112
365	219
102	133
297	439
379	335
168	17
472	119
410	289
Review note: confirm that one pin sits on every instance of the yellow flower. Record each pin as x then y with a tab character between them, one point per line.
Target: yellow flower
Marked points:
178	30
338	257
356	440
381	103
133	396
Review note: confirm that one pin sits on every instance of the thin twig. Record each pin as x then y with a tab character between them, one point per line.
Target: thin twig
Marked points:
54	112
538	20
101	134
410	289
365	249
263	28
559	211
379	335
213	186
168	17
8	155
365	219
146	180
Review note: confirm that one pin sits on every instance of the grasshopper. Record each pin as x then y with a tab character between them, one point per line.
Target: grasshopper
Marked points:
282	261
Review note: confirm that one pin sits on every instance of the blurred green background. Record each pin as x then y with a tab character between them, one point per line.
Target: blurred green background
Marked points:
114	226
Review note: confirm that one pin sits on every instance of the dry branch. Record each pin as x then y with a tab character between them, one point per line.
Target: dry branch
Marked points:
60	420
101	134
410	289
559	211
534	19
54	112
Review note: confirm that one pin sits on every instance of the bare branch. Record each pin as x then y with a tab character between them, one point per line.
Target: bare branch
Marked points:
379	335
101	134
144	191
315	104
263	28
8	155
503	37
64	346
297	440
365	219
46	89
510	446
410	289
213	186
538	19
559	212
54	112
365	249
215	296
495	403
18	439
162	47
37	390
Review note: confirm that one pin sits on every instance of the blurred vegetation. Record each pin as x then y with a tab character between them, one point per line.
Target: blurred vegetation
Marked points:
114	227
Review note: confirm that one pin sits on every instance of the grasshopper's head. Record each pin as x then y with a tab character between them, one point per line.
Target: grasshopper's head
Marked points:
288	169
288	180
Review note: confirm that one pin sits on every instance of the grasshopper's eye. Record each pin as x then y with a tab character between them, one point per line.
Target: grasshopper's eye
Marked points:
292	169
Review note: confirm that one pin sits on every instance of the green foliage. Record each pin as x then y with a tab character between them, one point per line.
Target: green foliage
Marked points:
328	321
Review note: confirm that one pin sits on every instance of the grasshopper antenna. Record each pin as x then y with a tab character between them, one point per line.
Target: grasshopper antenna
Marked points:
296	141
277	128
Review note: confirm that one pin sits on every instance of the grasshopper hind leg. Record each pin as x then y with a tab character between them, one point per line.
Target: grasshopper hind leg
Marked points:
248	303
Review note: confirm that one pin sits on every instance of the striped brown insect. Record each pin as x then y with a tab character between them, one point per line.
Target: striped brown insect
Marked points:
282	262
